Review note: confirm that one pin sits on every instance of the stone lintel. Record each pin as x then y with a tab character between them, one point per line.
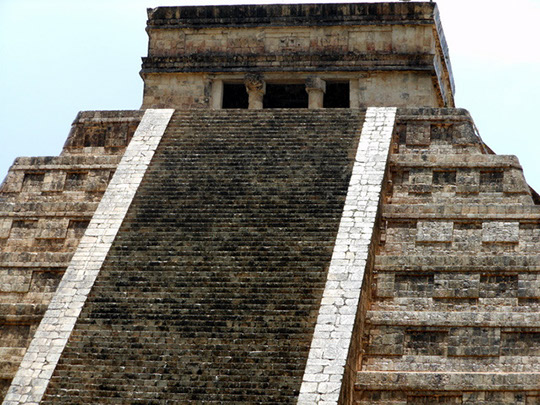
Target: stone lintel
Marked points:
289	62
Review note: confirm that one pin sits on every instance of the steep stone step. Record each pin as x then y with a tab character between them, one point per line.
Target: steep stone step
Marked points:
449	161
430	197
66	162
462	318
421	357
217	272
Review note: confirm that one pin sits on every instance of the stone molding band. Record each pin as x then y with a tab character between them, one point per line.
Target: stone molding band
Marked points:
325	368
50	339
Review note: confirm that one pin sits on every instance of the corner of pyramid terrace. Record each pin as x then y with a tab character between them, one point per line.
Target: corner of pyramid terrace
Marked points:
297	214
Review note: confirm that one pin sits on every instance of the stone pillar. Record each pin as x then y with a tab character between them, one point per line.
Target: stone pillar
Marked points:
256	88
354	93
316	87
217	94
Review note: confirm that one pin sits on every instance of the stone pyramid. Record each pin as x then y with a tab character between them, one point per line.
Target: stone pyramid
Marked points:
297	214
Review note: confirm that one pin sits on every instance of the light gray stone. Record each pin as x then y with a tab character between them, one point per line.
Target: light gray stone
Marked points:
46	348
340	297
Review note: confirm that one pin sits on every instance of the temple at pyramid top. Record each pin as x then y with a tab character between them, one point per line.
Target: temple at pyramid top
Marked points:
297	56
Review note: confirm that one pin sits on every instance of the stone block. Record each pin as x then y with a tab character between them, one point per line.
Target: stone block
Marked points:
438	399
456	285
15	335
444	177
463	134
442	133
434	231
15	280
474	342
52	228
528	285
54	181
23	230
491	181
494	397
13	182
418	134
514	181
75	180
414	285
533	400
425	342
33	181
420	176
385	285
500	232
467	181
386	341
520	343
97	180
5	227
499	285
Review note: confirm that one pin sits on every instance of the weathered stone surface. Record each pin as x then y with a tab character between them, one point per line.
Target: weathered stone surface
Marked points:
226	281
45	205
332	342
454	315
51	336
211	289
392	54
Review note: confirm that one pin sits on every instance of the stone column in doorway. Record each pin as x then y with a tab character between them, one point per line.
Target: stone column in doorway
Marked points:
256	88
316	87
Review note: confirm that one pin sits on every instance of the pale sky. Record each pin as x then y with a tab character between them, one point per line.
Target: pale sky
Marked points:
58	57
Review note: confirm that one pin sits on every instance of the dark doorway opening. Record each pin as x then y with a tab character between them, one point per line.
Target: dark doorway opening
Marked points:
337	95
235	95
285	96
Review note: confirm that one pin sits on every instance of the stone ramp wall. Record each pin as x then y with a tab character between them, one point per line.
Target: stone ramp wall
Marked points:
211	289
45	206
454	312
330	370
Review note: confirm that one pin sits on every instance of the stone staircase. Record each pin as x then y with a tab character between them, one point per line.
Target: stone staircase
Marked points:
454	310
211	290
45	206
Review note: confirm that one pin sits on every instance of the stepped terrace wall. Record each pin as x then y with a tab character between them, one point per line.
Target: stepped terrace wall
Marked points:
45	206
453	316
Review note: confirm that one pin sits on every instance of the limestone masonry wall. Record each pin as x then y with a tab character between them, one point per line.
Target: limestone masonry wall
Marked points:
45	205
393	49
453	312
